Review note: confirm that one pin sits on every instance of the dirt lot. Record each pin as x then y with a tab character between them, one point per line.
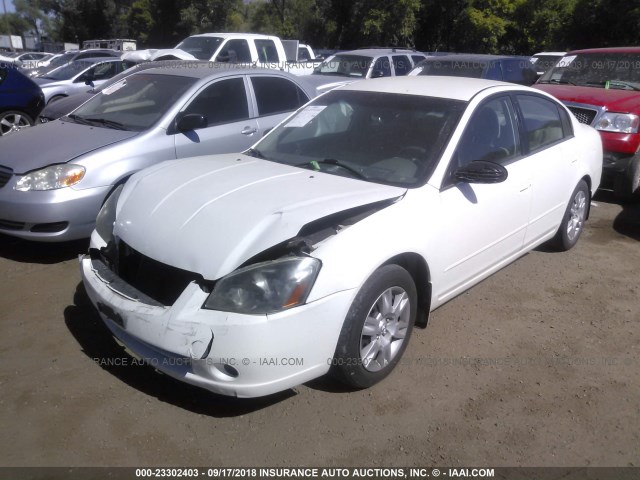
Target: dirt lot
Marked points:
537	366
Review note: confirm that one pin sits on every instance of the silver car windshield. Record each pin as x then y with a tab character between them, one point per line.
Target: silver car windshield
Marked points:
68	71
136	103
393	139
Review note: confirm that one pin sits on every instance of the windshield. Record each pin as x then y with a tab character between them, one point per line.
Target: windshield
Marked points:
385	138
136	103
67	71
542	63
345	65
59	60
453	68
602	70
202	48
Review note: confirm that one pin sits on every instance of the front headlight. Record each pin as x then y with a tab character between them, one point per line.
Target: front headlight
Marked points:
51	178
266	287
618	122
107	215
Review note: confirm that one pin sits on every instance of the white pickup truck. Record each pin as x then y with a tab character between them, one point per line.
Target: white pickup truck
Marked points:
260	50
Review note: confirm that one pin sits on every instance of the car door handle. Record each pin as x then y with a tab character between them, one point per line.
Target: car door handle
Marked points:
524	188
248	131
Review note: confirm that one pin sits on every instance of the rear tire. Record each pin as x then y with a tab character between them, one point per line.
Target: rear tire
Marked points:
574	217
377	328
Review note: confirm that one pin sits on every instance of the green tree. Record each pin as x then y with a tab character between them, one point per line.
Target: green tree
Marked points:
13	24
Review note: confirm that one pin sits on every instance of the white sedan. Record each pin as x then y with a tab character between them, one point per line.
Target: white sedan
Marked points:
318	249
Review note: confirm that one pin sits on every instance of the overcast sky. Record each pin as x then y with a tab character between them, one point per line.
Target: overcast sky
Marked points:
9	5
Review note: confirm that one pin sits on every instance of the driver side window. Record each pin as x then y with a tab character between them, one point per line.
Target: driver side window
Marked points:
490	134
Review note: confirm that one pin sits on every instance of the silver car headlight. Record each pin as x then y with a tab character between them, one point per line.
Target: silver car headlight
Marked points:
51	178
107	215
618	122
266	287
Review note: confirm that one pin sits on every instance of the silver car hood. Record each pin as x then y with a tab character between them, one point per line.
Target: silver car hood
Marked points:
210	214
54	142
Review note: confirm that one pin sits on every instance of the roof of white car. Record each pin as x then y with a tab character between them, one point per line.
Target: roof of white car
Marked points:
550	54
203	68
456	88
229	34
374	52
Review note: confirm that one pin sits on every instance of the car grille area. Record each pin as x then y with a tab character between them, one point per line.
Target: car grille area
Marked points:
160	282
5	175
584	115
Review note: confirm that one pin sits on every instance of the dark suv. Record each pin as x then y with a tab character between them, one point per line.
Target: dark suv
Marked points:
493	67
602	88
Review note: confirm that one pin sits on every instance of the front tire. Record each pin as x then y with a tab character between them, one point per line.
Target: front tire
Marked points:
574	219
377	328
13	121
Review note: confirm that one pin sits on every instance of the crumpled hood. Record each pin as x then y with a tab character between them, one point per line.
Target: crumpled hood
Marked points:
621	101
210	214
172	52
54	142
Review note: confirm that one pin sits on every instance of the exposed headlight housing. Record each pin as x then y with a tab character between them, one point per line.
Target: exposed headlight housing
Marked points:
107	215
618	122
51	178
266	287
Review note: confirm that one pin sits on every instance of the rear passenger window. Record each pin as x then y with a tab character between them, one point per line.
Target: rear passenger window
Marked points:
401	64
542	121
267	52
235	51
303	54
277	95
222	102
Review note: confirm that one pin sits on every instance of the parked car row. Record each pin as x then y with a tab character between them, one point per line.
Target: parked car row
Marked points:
236	214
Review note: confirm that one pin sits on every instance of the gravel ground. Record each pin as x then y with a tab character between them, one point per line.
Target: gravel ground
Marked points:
538	365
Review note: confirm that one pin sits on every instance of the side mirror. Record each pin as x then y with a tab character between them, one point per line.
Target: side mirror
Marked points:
481	171
88	79
377	74
191	121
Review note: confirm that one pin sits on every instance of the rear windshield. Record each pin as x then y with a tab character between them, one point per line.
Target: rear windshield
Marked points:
452	68
345	65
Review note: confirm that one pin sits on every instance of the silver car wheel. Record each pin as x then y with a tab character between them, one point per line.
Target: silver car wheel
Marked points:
578	213
12	122
385	329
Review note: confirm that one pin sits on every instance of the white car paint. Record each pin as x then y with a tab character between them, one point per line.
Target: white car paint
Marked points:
210	215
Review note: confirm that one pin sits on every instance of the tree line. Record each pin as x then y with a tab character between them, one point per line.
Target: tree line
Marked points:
480	26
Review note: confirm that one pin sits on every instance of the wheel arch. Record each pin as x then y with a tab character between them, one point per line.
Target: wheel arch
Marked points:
418	268
587	180
121	181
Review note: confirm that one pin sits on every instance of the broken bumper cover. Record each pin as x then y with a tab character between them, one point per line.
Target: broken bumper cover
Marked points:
226	353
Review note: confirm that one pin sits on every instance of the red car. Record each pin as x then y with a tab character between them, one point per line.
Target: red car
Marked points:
601	86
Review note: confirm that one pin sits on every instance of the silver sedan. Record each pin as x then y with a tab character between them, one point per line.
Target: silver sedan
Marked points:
78	75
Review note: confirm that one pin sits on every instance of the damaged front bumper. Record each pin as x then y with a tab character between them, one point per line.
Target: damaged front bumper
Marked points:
227	353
